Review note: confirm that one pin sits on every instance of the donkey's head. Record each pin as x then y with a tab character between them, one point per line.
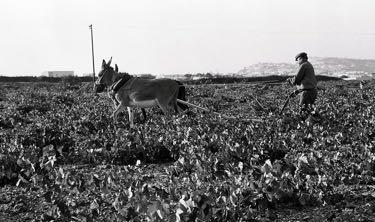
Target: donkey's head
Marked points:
106	76
124	75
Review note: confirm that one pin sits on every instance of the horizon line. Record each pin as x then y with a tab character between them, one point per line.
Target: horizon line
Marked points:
195	73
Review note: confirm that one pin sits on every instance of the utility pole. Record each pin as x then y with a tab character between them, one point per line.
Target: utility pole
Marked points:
92	52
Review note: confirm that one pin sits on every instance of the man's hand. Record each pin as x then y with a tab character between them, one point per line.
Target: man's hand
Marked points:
290	80
296	92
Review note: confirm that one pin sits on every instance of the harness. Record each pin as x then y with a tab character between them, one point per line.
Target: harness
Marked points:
121	81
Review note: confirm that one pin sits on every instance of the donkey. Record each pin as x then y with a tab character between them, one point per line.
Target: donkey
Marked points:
118	84
138	92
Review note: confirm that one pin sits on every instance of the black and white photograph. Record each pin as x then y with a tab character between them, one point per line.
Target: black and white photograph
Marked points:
187	110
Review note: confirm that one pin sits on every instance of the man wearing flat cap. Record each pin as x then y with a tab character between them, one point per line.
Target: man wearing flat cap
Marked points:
306	83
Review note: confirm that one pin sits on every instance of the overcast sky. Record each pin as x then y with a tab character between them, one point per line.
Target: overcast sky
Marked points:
179	36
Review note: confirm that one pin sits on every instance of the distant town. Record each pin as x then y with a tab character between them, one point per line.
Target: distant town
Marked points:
335	67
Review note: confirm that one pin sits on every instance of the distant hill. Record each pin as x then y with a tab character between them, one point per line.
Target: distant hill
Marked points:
336	67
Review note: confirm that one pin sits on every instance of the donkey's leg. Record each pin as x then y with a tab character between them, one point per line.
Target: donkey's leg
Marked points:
163	107
112	96
176	107
118	109
180	110
131	117
115	102
173	101
144	114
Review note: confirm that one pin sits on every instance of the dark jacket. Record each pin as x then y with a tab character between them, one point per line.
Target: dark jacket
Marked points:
305	78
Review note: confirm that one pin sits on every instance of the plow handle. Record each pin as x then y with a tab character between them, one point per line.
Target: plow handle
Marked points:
285	104
293	94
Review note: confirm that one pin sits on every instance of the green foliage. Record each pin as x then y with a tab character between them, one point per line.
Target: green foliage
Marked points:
78	165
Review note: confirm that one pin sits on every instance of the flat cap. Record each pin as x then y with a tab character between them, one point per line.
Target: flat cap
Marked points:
301	54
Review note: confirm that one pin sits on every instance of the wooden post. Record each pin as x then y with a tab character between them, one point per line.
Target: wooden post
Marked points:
92	53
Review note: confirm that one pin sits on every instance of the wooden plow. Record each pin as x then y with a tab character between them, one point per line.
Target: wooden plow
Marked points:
219	114
285	104
293	94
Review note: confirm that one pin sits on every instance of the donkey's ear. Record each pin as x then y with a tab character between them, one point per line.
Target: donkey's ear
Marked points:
109	62
116	68
103	64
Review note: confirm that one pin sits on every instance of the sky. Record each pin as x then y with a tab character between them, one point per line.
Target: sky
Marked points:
179	36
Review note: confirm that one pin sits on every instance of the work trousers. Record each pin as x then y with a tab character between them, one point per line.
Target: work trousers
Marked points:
307	99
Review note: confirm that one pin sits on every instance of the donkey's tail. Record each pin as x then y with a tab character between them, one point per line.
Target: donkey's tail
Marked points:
181	95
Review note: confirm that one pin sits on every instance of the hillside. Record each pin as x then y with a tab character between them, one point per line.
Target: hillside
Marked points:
337	67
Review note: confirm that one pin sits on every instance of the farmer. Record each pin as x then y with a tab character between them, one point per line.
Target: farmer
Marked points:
306	84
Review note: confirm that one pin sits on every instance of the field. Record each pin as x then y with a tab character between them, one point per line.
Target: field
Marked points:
63	159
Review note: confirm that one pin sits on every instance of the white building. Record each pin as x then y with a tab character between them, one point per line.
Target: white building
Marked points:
58	73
